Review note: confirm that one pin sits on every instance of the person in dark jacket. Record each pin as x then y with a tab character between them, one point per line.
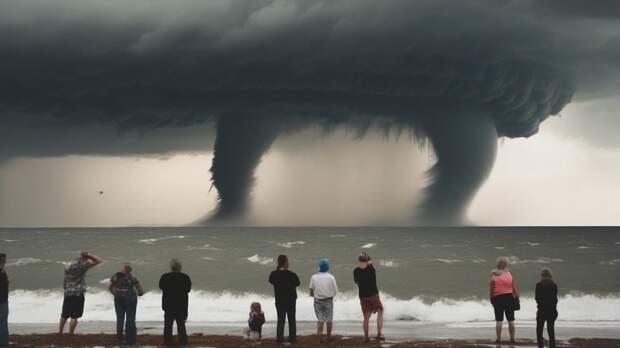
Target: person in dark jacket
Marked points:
547	300
285	285
175	287
4	303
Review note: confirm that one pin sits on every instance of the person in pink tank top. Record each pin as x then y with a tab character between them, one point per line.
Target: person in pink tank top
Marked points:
503	293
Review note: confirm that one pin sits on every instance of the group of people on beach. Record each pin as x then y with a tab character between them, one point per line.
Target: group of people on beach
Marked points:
323	288
504	296
176	285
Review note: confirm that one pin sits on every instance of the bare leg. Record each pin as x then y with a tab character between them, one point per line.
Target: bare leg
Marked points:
330	326
511	330
319	330
380	323
61	326
366	324
498	331
72	325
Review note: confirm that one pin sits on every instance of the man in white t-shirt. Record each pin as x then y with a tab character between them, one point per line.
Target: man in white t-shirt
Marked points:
323	288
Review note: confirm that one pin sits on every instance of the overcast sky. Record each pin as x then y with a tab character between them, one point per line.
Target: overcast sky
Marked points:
120	113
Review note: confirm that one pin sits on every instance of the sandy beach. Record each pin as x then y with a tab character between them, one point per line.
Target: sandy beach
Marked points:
225	341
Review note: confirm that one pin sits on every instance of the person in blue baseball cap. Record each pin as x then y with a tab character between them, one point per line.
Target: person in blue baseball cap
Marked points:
323	288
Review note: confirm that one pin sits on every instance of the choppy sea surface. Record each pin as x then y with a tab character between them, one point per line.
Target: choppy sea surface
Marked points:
426	275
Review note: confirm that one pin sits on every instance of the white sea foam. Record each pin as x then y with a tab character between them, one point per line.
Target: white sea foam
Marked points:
203	247
541	260
289	245
388	263
584	247
263	260
151	241
610	262
449	261
369	245
42	307
478	261
104	281
11	240
23	262
344	236
499	247
208	258
533	244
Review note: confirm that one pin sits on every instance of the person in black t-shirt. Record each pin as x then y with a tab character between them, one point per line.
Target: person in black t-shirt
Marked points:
366	280
547	300
285	285
4	303
175	286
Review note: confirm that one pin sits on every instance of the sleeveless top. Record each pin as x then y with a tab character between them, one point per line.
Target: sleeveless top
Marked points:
502	284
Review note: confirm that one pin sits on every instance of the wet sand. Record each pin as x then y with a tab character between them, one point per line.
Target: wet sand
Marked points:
225	341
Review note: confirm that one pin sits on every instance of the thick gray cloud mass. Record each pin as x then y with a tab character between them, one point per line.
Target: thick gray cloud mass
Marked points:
459	73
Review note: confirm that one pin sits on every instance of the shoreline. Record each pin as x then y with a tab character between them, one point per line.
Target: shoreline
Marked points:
395	330
227	341
346	334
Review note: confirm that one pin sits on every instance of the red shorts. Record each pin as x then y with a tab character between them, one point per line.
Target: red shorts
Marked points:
371	304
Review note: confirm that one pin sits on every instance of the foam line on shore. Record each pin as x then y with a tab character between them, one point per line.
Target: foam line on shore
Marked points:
43	306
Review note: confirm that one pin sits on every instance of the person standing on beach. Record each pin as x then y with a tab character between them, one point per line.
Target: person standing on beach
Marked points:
75	288
285	285
323	288
126	289
547	300
175	287
503	294
366	279
4	303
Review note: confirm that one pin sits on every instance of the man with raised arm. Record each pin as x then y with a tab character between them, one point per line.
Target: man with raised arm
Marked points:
75	288
366	279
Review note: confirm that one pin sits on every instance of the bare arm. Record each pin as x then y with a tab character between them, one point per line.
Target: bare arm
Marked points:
515	289
92	258
112	288
139	289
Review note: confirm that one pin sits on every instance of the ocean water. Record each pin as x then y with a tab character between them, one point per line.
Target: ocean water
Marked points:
426	275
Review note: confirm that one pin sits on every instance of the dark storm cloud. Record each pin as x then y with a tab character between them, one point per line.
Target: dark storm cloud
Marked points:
604	9
161	65
260	68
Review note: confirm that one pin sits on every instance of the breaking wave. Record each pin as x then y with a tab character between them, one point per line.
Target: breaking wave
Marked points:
43	306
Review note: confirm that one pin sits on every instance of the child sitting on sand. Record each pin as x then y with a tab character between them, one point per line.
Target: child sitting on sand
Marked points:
255	321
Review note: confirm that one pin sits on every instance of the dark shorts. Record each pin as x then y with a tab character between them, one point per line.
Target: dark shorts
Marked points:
371	304
504	303
72	307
